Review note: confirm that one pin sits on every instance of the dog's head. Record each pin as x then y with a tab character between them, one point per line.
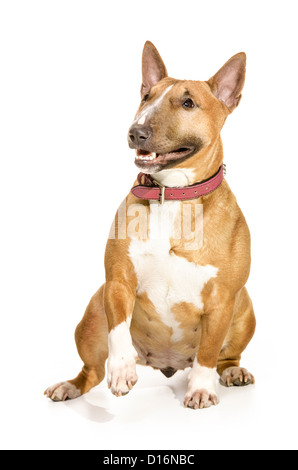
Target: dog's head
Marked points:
178	122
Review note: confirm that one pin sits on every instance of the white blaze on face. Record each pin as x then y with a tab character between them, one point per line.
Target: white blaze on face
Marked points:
142	120
149	110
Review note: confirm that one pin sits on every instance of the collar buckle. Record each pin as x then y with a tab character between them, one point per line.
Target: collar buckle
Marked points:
162	191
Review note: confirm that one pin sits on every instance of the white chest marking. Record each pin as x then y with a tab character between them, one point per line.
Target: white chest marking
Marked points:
176	177
166	278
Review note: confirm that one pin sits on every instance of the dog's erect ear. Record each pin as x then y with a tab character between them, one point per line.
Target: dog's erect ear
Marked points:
228	82
153	68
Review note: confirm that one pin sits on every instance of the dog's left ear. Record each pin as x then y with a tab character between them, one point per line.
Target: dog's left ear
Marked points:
228	82
153	68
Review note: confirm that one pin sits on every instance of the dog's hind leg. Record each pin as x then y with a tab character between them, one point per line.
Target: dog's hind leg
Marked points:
92	343
239	335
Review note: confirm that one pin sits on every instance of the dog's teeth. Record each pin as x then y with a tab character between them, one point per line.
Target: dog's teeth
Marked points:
150	157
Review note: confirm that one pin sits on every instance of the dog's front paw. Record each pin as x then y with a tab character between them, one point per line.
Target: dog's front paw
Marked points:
122	374
200	399
201	391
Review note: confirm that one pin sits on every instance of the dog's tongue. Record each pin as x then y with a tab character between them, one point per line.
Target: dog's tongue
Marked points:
143	153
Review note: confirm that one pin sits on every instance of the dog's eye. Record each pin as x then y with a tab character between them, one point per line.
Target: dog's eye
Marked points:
146	97
188	104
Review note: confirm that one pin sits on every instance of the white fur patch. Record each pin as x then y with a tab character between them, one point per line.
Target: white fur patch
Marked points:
201	392
201	378
176	178
122	359
148	111
142	120
166	278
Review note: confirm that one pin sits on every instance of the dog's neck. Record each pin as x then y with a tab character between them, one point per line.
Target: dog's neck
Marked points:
176	177
204	166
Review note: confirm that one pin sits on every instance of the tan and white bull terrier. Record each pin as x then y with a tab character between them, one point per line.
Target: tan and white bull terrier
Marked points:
178	255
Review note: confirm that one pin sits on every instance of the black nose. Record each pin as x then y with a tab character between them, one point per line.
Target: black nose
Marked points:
138	135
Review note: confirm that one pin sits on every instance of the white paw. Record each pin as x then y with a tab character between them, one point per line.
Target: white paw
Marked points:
201	392
62	391
122	374
200	399
122	360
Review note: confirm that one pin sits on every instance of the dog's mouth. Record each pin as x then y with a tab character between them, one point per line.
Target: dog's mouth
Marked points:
146	160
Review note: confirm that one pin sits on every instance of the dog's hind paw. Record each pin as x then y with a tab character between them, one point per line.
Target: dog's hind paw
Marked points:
237	376
62	391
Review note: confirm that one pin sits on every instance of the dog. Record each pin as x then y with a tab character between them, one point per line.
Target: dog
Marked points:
178	256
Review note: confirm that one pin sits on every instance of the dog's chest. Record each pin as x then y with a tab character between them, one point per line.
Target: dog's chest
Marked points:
167	279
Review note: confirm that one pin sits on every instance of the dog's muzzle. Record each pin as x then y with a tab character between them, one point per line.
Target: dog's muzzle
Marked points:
138	136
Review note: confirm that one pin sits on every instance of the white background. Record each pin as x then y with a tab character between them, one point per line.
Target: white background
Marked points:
69	87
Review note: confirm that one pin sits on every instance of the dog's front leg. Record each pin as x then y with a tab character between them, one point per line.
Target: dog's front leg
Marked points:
201	392
119	301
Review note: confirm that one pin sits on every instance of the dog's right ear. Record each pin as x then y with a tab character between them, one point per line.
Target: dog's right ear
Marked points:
153	68
228	82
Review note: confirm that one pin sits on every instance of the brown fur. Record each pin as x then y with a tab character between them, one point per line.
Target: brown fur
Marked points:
219	333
